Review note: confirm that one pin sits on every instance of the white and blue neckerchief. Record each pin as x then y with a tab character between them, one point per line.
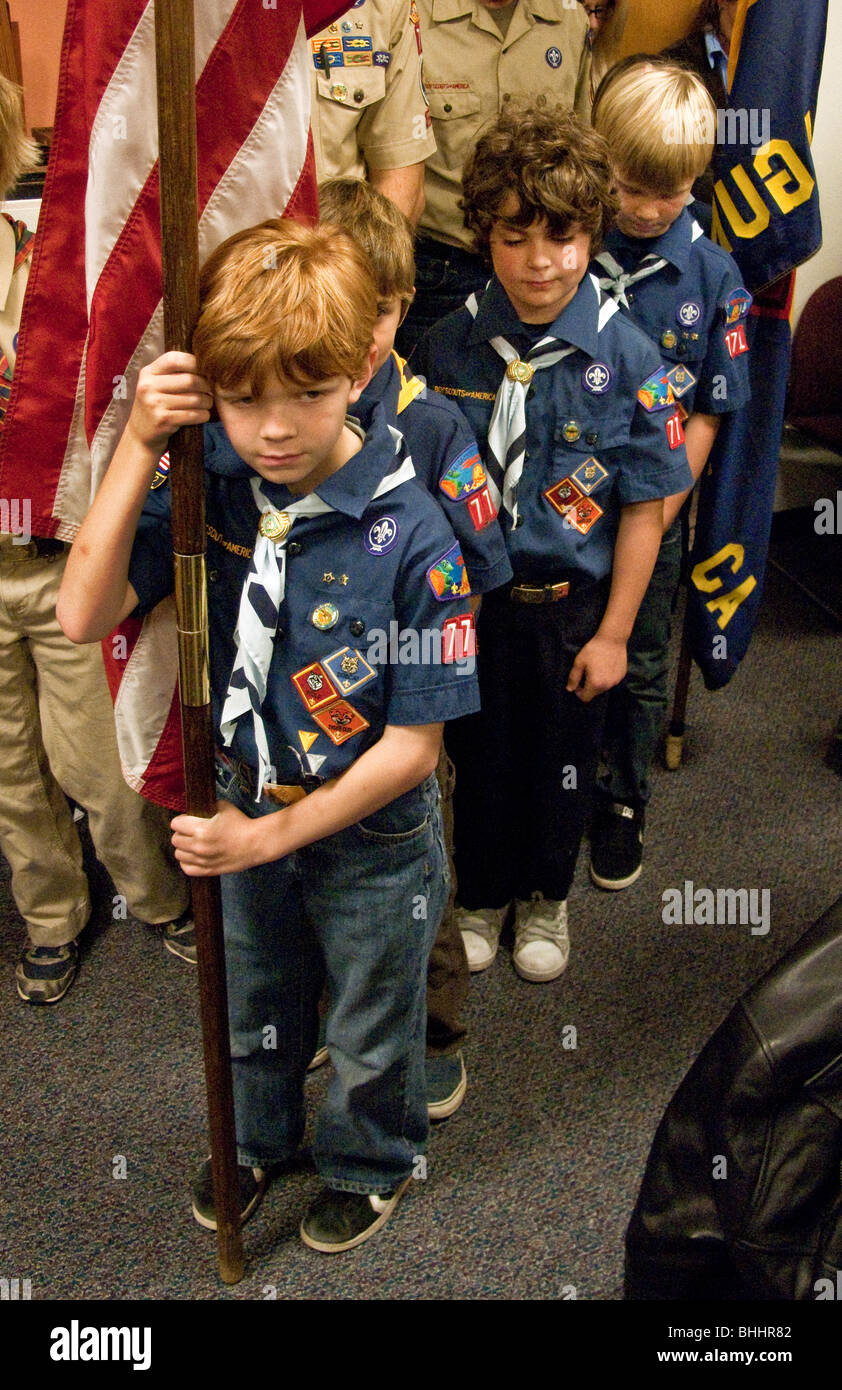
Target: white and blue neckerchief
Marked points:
260	604
507	427
616	281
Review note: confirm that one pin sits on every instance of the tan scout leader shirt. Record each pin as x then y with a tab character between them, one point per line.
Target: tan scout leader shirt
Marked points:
371	112
471	70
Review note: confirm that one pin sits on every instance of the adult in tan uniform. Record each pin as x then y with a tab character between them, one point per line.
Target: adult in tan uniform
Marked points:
369	112
478	54
56	718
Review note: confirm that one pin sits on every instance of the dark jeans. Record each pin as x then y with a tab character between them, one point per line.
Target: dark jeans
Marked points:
444	277
636	707
361	908
525	765
447	974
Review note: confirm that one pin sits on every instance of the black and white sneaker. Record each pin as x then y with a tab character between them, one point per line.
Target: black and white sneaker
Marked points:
338	1221
44	974
617	845
253	1184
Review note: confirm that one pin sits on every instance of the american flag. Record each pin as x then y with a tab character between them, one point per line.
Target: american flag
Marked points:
93	314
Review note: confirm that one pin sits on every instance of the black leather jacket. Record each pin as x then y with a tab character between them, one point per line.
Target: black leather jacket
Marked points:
765	1096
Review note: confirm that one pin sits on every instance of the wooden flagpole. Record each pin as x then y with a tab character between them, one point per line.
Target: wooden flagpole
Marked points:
175	65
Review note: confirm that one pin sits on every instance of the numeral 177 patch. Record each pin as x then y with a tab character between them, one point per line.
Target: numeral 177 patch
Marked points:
735	340
458	638
675	431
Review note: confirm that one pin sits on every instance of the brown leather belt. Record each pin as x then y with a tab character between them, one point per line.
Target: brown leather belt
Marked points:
12	552
540	593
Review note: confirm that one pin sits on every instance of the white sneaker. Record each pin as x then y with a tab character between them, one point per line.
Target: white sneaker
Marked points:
541	941
480	928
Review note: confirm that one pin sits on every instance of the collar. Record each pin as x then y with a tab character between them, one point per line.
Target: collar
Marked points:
349	490
716	53
673	245
394	387
444	10
576	324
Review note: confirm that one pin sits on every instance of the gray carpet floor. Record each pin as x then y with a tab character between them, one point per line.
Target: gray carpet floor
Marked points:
531	1184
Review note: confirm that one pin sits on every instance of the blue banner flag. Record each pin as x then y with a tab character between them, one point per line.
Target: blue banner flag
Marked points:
766	213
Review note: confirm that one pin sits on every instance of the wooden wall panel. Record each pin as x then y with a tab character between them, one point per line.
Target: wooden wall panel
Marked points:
653	24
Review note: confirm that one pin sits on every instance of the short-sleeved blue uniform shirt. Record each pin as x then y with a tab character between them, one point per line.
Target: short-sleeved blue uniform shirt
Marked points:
693	308
371	630
591	446
447	463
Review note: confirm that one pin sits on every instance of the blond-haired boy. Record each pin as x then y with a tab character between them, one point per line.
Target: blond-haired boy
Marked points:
685	293
319	540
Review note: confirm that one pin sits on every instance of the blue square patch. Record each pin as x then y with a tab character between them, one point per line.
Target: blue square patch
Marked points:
589	475
348	669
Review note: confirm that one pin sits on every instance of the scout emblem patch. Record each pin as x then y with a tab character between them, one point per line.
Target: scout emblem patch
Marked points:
382	536
689	313
589	475
314	686
736	341
680	379
596	378
340	722
448	577
656	392
348	669
481	509
736	306
458	638
584	515
553	57
465	476
563	495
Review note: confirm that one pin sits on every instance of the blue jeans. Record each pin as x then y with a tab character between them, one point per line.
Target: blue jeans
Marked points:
361	908
444	277
638	705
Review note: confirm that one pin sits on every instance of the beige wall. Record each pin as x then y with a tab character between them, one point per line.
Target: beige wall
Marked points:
41	23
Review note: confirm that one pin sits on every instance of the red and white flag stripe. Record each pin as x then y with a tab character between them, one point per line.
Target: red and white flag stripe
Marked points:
93	313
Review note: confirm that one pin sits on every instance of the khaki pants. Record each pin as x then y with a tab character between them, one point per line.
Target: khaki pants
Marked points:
57	735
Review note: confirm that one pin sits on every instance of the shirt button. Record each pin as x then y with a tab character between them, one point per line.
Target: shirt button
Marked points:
592	438
213	575
447	107
294	548
357	627
507	96
359	94
630	296
280	634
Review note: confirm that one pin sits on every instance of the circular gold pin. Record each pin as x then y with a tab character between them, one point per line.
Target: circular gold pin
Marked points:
571	431
275	526
520	371
339	91
668	339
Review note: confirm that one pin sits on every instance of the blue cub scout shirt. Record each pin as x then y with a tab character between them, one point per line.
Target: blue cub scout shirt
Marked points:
374	627
693	309
590	444
447	463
